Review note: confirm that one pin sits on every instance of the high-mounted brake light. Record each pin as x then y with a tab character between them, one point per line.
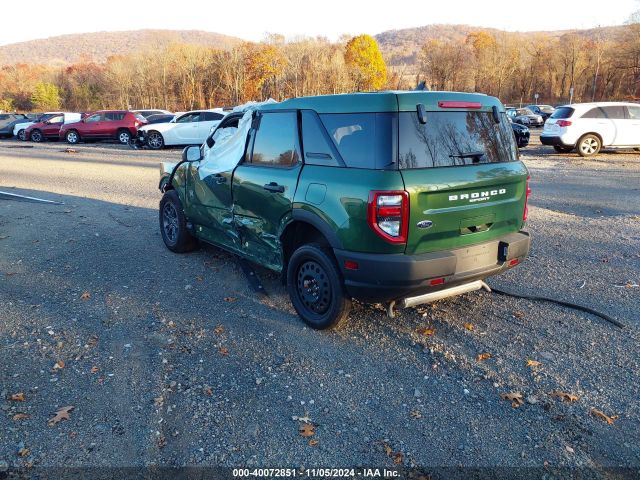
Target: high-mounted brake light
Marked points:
388	215
563	123
525	214
458	104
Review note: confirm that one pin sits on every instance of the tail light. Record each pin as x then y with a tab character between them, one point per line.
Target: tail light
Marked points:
563	123
526	201
457	104
388	215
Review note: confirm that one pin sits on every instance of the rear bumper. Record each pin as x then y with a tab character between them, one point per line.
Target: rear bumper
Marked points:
554	141
384	278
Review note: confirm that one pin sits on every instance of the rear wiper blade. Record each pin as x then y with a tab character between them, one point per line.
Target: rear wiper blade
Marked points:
467	155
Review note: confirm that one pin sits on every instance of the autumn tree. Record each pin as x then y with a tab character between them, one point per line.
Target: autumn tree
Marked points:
363	56
46	96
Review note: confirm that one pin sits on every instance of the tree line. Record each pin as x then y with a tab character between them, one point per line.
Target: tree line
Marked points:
183	77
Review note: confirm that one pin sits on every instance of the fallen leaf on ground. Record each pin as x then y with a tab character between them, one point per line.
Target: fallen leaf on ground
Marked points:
603	416
208	391
533	363
567	397
219	329
61	414
469	326
426	331
388	450
518	314
514	397
21	416
85	296
162	441
199	278
416	414
307	430
94	370
230	299
223	351
313	442
18	397
484	356
23	452
59	365
397	458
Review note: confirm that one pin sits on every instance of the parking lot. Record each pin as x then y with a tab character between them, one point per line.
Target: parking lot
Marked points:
174	360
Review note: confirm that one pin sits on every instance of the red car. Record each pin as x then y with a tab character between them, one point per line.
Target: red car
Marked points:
49	128
120	125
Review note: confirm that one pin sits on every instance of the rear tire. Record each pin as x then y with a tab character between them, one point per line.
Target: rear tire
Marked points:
72	137
316	287
173	224
22	135
124	136
561	149
36	136
589	145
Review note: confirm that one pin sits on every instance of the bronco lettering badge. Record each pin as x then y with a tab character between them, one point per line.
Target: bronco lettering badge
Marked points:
477	196
424	224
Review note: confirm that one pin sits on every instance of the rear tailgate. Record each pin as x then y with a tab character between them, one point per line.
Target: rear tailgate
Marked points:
465	182
460	206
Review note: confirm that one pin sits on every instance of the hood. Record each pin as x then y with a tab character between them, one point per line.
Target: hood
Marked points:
35	125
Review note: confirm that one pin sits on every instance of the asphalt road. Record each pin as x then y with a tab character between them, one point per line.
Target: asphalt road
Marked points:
172	360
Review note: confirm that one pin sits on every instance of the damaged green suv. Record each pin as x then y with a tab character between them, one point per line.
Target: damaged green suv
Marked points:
399	198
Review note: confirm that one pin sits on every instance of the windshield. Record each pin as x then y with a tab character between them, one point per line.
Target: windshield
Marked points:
524	111
546	108
454	139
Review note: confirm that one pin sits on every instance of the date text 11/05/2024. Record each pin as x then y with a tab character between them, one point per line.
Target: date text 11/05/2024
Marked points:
316	472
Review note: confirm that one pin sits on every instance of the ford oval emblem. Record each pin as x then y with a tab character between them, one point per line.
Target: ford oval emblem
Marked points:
424	224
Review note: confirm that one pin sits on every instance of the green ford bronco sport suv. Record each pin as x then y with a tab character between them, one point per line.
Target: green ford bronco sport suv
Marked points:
399	198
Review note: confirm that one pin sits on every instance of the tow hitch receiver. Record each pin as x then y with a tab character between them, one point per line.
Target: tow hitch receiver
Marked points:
433	296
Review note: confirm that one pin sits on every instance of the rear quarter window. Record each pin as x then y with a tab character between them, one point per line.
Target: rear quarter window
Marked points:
364	140
450	139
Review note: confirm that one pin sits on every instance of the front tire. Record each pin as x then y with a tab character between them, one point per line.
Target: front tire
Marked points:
316	288
36	136
155	140
561	149
72	137
589	145
124	136
173	224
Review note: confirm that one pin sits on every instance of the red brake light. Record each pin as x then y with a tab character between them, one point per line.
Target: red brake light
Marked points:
453	104
437	281
388	215
563	123
525	214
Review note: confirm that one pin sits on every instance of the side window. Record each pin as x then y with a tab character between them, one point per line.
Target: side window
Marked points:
211	116
614	112
594	113
95	118
57	119
276	141
114	116
316	142
188	118
634	112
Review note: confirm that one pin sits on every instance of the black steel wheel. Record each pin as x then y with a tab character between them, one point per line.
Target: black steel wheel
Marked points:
316	287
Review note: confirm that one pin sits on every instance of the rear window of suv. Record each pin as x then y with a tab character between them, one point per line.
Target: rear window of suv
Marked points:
563	112
451	139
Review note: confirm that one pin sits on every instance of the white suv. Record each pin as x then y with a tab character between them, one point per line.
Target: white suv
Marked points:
588	127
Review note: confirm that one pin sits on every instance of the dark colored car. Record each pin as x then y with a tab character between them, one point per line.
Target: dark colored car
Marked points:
121	125
521	133
400	198
160	118
8	121
149	112
545	111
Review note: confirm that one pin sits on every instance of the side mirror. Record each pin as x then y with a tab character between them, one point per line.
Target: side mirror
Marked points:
191	154
210	141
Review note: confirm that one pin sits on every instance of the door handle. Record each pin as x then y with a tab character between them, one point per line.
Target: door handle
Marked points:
220	179
274	187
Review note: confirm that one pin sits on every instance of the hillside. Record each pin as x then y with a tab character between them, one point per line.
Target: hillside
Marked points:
402	46
100	45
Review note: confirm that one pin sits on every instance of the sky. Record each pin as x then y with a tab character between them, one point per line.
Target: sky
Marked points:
252	19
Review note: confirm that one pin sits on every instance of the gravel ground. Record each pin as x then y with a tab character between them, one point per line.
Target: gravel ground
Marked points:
172	360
